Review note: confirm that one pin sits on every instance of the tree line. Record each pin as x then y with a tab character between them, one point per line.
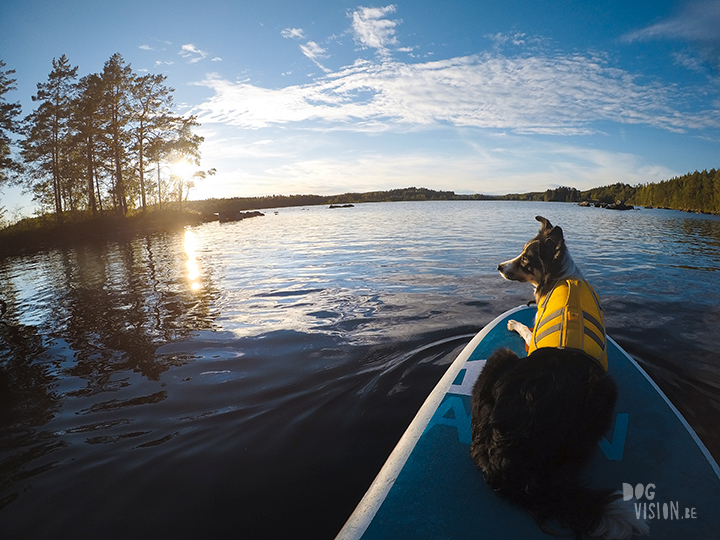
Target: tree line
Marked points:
560	194
698	191
405	194
98	142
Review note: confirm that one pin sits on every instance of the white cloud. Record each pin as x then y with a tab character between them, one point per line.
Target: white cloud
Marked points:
466	123
311	49
698	21
371	29
474	162
191	53
516	38
697	24
314	51
555	95
146	48
293	33
504	41
688	61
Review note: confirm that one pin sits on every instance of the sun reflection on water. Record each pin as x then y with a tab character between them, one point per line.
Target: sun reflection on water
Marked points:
190	250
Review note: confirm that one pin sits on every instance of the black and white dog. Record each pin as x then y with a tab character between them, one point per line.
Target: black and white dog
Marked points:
536	421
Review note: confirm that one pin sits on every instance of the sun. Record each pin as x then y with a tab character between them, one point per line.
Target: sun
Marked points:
182	168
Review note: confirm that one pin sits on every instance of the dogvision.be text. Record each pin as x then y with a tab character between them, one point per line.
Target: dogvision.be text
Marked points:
655	510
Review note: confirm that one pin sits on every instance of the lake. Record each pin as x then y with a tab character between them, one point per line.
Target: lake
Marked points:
248	379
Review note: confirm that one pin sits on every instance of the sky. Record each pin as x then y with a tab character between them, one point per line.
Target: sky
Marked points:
474	96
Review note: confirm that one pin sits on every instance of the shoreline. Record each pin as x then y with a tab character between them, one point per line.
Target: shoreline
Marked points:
31	235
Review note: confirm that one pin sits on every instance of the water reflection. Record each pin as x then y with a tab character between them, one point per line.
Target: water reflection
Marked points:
119	302
107	307
27	402
192	265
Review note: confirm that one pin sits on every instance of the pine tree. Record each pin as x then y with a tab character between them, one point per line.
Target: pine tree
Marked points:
106	126
8	125
185	146
153	122
115	110
87	124
47	140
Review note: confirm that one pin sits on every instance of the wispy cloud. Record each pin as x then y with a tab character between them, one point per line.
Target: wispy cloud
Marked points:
311	49
515	38
697	21
505	40
191	53
488	163
471	118
371	28
544	94
691	63
293	33
314	51
698	24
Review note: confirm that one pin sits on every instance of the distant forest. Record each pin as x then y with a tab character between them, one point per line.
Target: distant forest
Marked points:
696	192
238	204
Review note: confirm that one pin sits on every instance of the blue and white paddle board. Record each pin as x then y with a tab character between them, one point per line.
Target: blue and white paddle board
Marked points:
429	488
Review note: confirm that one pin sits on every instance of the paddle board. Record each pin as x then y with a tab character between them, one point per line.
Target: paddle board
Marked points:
430	488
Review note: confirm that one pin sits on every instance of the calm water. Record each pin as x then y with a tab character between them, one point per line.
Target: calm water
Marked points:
248	380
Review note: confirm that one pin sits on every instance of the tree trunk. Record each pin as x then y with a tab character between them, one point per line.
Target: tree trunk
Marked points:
90	176
142	175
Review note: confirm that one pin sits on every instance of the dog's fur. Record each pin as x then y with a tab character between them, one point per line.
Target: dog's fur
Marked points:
536	421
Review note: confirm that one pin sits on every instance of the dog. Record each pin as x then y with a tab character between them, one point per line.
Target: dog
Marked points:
536	421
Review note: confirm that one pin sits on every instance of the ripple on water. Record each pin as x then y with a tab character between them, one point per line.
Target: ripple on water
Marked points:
137	401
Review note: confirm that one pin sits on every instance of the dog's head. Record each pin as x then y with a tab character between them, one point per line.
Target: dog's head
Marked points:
542	259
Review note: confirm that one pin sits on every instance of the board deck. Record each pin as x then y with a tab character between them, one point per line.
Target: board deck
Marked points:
430	488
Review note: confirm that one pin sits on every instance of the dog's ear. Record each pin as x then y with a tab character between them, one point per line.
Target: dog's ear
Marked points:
556	234
557	244
545	223
554	245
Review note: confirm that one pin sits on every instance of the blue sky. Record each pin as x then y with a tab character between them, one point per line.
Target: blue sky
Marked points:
476	96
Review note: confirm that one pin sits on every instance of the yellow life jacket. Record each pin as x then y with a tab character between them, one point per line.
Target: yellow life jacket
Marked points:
570	317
